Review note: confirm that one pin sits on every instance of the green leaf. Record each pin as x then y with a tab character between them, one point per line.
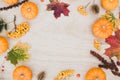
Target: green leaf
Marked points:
16	55
3	25
6	26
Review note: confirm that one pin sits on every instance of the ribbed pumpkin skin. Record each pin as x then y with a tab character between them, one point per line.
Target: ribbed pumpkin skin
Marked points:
95	74
3	44
10	2
29	10
102	28
22	73
110	4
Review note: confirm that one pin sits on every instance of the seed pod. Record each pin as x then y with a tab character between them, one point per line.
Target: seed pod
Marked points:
95	9
41	76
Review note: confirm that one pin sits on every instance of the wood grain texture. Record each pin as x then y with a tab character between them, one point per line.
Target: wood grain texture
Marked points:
57	44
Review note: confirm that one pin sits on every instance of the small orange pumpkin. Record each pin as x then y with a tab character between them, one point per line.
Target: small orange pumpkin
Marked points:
102	28
110	4
3	44
22	73
10	2
95	74
29	10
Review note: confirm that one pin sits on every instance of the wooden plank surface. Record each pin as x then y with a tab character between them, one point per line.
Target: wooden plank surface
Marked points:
57	44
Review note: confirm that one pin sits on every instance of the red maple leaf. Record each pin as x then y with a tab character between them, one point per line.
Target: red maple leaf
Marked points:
114	42
117	34
59	8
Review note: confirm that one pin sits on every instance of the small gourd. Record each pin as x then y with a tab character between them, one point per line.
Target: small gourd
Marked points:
95	74
102	28
10	2
29	10
22	73
110	4
3	44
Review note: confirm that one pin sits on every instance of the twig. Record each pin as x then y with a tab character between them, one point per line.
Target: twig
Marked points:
87	5
15	21
14	5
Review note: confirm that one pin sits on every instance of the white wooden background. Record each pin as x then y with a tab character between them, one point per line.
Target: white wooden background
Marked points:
57	44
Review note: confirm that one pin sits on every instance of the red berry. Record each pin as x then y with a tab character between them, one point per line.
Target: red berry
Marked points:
3	66
5	57
118	63
2	70
78	75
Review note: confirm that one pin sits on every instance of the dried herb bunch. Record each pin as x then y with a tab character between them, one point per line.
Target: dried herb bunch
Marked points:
105	64
41	75
14	5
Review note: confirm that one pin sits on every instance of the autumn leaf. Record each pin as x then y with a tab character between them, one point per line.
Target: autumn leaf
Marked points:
114	42
117	34
58	8
113	51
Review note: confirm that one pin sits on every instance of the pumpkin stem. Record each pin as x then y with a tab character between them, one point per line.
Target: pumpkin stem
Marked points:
96	78
22	75
103	27
29	9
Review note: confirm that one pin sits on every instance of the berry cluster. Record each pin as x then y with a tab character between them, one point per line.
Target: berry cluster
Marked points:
21	30
64	74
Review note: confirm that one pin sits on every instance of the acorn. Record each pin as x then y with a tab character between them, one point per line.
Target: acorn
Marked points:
95	9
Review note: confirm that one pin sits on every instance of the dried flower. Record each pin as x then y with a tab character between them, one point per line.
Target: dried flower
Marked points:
97	44
64	74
